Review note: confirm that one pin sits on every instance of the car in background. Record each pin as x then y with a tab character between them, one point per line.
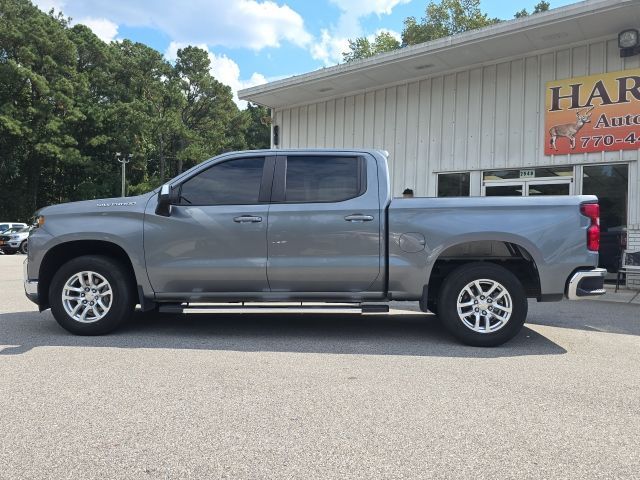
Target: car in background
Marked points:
15	240
4	226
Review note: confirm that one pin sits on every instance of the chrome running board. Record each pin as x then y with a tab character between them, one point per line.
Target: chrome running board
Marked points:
274	307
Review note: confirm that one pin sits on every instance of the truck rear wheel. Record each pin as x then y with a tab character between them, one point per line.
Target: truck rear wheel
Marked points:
91	295
482	304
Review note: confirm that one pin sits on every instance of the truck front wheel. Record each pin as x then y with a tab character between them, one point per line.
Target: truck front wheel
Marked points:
482	304
91	295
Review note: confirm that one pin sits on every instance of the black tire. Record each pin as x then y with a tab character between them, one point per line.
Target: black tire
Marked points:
453	286
122	304
10	252
24	247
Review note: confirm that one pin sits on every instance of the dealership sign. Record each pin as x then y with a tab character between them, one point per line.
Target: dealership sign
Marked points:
593	114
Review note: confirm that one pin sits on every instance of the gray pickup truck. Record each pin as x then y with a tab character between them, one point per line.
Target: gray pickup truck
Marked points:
260	230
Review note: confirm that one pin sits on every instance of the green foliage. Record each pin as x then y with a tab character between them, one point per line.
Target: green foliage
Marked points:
258	132
362	47
449	17
69	102
540	7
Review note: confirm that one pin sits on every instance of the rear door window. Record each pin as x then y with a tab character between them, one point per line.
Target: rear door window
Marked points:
315	179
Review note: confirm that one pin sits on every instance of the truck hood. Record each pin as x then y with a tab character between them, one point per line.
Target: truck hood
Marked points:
101	205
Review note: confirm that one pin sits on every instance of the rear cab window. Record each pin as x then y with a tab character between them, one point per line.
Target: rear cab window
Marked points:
324	179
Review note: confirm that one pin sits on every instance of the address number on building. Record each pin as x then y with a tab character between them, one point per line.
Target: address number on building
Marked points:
530	173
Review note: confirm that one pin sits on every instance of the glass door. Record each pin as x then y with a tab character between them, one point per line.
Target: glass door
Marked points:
549	187
504	189
525	188
528	181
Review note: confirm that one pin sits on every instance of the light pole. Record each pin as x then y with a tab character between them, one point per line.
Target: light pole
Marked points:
123	159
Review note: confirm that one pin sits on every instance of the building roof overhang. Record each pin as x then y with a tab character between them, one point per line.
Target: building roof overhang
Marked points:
567	25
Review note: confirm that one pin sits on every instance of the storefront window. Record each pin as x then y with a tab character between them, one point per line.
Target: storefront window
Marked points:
453	184
610	184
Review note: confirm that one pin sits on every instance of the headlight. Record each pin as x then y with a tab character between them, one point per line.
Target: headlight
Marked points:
38	221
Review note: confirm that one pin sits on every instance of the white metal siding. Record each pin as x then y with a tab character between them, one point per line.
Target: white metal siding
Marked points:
482	118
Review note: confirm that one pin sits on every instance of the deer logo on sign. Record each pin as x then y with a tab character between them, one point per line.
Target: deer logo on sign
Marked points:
569	130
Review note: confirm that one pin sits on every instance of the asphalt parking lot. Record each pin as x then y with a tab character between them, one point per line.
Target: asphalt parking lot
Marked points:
386	396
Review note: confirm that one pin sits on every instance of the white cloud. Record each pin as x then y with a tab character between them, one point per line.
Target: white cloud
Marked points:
47	5
228	72
362	8
267	23
105	29
224	69
334	42
329	48
253	24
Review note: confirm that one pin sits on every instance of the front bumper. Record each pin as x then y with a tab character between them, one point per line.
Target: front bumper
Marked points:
30	286
586	283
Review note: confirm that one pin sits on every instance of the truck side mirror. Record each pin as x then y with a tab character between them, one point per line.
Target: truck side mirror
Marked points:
165	199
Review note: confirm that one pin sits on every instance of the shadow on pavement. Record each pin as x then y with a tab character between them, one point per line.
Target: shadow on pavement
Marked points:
594	316
393	334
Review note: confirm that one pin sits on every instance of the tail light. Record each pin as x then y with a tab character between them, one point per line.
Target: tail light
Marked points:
592	210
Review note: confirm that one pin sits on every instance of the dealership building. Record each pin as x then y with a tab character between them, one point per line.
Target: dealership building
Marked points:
543	105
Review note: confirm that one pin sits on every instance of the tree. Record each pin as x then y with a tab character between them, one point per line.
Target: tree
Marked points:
145	106
38	87
211	121
69	102
362	47
540	7
258	132
449	17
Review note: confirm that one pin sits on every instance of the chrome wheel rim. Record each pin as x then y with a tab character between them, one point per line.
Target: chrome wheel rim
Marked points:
484	306
87	297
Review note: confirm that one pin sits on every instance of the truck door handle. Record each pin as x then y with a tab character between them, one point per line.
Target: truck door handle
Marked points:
247	219
358	217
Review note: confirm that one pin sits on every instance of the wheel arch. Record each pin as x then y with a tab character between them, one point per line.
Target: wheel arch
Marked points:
519	257
66	251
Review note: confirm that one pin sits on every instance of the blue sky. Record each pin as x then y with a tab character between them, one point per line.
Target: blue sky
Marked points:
254	41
